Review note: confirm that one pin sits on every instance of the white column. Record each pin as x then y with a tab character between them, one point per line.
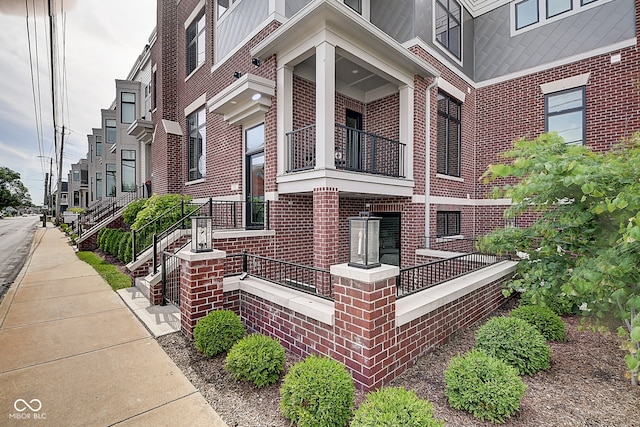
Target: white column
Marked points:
284	93
325	105
406	127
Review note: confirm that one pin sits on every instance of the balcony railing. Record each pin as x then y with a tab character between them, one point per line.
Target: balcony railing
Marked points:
355	150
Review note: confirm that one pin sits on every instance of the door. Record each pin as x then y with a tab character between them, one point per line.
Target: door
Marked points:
254	180
354	140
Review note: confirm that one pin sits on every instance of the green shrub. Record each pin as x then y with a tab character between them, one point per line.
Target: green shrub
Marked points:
256	358
157	205
515	342
131	211
317	392
395	407
548	323
123	246
483	385
560	304
217	332
100	237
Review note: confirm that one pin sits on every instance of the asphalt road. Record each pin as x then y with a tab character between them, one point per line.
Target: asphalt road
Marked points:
16	235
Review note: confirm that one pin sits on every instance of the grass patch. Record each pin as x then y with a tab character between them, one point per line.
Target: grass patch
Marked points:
109	272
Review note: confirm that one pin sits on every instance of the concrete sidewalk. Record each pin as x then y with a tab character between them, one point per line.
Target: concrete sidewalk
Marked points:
72	353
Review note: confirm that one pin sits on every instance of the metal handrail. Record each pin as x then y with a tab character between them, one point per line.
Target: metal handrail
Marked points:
141	238
108	208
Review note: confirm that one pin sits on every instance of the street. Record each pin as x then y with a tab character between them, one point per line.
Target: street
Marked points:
16	235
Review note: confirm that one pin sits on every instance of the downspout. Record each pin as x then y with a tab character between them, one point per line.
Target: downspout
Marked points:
427	175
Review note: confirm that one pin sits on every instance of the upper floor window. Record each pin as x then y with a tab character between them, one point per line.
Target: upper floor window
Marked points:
195	43
197	145
127	107
110	130
529	14
224	5
76	175
449	135
565	113
447	223
355	5
154	78
98	145
448	26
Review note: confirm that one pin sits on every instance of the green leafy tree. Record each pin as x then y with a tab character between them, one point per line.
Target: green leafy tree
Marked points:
584	246
12	190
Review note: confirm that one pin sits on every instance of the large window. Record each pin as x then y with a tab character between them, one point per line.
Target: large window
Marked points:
128	171
448	26
565	113
447	223
526	13
449	135
195	43
111	179
529	14
98	145
110	128
98	185
76	175
154	91
197	144
128	107
556	7
76	198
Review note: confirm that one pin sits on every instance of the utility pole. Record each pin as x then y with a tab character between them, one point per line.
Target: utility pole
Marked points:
59	177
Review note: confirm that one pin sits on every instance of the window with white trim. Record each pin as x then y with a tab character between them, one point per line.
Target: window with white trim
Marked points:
197	142
448	26
127	107
530	14
565	113
355	5
449	135
224	5
196	43
110	131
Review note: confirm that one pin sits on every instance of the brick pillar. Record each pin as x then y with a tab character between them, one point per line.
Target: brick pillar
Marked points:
365	314
201	291
326	207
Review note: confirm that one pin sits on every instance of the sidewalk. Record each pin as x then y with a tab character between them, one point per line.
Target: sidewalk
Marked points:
73	354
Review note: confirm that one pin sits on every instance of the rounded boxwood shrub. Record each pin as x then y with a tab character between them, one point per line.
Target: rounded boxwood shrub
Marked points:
395	407
543	319
516	342
217	332
256	358
317	392
483	385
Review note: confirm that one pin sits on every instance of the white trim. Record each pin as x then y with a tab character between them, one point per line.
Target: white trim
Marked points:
449	177
443	200
445	60
194	14
437	43
480	7
195	181
195	105
564	84
451	89
218	62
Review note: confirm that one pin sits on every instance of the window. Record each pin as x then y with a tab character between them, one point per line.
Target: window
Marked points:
111	180
197	145
223	5
76	198
98	145
355	5
526	13
128	107
110	127
195	44
447	223
556	7
565	113
76	176
154	78
98	185
128	170
584	2
448	28
449	135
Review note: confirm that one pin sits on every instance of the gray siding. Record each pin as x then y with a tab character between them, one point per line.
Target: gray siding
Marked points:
497	53
395	19
238	23
293	6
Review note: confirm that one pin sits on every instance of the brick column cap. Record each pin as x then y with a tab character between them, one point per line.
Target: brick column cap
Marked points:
364	275
188	255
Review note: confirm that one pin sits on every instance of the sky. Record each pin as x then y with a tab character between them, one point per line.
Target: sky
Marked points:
102	40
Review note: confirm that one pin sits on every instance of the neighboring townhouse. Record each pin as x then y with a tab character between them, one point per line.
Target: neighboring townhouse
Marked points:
78	180
323	109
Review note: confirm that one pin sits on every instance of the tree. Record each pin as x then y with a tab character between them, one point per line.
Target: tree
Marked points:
12	190
582	248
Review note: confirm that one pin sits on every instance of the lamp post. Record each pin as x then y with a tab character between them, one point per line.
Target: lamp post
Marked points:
201	234
364	241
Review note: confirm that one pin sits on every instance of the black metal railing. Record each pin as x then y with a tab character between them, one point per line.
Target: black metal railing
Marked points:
304	278
424	276
107	208
366	152
301	149
170	279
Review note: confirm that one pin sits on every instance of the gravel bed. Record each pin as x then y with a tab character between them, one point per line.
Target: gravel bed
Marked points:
586	385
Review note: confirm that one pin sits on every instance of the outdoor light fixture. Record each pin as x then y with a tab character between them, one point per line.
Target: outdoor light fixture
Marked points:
255	61
364	241
201	234
237	74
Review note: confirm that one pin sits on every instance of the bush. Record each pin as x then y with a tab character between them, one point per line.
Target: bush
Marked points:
256	358
395	407
317	392
131	211
217	332
548	323
484	386
515	342
124	246
157	205
560	304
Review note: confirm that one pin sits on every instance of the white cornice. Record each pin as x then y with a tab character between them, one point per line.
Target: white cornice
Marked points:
478	7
